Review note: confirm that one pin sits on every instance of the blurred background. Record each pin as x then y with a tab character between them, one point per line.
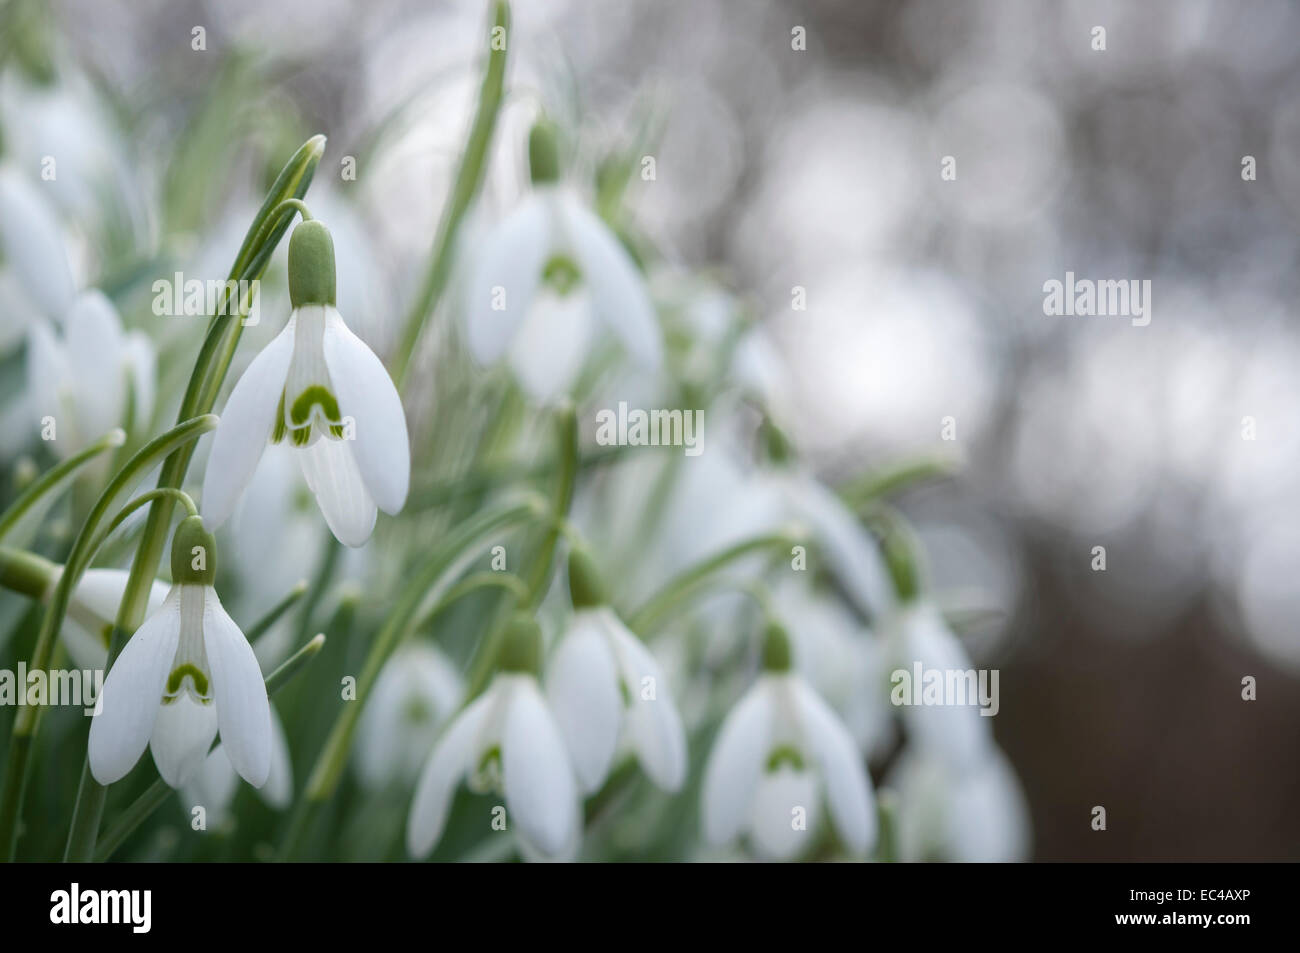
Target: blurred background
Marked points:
819	168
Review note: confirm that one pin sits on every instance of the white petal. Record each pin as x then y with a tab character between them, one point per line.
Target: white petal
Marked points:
417	690
618	290
212	787
182	735
245	428
278	790
510	258
582	687
132	694
239	693
852	553
848	789
654	726
142	372
97	361
541	794
33	243
736	764
552	343
366	393
957	733
47	377
784	797
446	767
331	470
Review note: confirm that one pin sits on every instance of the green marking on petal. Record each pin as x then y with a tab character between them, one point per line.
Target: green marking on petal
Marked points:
280	430
561	274
784	754
300	412
177	678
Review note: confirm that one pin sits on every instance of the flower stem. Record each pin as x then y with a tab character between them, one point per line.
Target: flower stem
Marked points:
658	606
54	477
469	177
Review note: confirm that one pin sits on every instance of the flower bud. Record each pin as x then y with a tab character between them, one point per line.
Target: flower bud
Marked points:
311	265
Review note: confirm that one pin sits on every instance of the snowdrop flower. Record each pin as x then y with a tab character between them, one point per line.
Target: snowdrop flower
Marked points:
506	740
34	248
187	673
212	787
92	613
977	815
603	683
958	734
779	752
415	694
84	377
545	276
320	388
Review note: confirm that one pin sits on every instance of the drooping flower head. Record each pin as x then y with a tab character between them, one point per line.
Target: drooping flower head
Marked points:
320	390
506	740
604	686
187	673
781	754
544	279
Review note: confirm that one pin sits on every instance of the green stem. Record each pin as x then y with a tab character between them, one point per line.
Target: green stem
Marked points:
567	452
644	619
430	582
55	476
276	612
481	580
156	794
79	559
469	177
889	480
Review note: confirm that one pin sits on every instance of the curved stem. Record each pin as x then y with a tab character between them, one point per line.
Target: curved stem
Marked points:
51	479
684	583
481	580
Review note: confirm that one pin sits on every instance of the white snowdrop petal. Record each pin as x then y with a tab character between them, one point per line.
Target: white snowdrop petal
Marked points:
182	735
212	788
505	276
239	693
33	244
785	814
582	688
654	725
736	764
618	290
442	773
853	555
957	733
245	428
132	694
96	353
541	794
331	471
278	789
366	393
848	788
552	343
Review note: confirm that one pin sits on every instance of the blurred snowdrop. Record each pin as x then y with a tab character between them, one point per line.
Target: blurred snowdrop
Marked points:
506	740
186	673
958	734
544	278
34	249
92	613
318	385
87	378
213	785
603	684
416	693
841	660
779	754
972	815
